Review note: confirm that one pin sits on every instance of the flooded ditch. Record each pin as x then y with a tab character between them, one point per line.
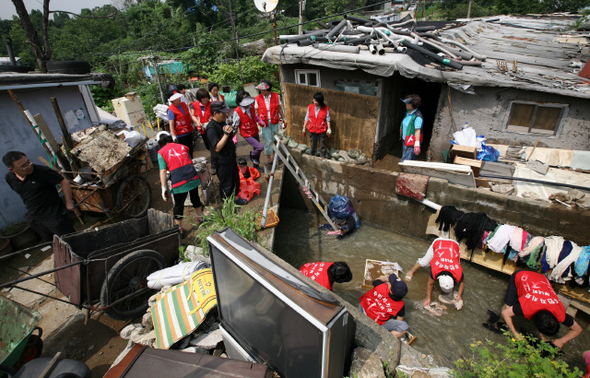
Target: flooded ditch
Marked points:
446	338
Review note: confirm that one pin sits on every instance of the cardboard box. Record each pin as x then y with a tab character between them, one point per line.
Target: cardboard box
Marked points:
463	151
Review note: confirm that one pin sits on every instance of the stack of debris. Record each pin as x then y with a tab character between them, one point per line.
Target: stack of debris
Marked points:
351	156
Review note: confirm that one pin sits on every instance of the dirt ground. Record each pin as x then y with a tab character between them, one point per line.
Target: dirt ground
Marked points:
96	341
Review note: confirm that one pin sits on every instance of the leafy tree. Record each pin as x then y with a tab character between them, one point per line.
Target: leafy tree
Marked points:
253	70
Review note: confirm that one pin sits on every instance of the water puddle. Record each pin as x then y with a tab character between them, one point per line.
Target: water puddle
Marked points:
446	337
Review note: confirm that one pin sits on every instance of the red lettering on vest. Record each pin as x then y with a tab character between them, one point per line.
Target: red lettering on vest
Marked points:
274	108
248	125
203	117
318	272
317	124
447	258
379	306
180	166
535	293
182	121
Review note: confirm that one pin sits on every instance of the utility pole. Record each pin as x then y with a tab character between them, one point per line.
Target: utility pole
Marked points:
155	63
469	10
236	41
300	17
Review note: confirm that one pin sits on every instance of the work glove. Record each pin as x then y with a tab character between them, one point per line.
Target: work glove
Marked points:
329	132
417	148
165	194
284	125
459	304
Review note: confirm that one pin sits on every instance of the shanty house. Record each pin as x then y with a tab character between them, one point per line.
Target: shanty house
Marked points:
517	84
34	92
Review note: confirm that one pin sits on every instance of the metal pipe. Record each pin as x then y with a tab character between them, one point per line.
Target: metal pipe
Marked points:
359	41
537	181
337	29
475	55
395	43
339	48
357	19
373	49
474	63
410	21
268	190
8	42
296	38
435	45
434	56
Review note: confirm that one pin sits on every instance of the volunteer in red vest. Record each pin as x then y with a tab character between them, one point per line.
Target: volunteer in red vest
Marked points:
317	122
531	295
410	130
201	115
214	91
326	273
181	124
246	119
270	110
384	304
444	258
173	157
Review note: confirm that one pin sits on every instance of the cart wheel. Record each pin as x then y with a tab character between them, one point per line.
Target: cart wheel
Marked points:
134	196
128	276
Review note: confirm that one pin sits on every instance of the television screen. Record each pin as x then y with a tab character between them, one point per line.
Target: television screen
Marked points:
276	316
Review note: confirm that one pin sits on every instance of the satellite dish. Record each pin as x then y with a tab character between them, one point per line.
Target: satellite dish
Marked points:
266	5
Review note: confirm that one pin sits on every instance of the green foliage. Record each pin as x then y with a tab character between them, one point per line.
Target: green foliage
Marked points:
514	359
253	70
182	254
244	223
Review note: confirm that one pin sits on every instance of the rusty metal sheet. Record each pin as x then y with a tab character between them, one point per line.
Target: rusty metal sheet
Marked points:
68	280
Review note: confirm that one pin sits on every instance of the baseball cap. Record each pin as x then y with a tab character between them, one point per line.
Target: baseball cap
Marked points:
263	86
175	96
219	106
398	287
407	100
446	283
248	100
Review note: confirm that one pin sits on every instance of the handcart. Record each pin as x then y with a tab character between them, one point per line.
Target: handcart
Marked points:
106	269
120	189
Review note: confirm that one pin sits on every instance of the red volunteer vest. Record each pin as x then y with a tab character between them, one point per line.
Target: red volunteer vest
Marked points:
220	97
248	125
182	122
378	305
274	108
204	118
535	294
317	125
318	272
180	166
447	258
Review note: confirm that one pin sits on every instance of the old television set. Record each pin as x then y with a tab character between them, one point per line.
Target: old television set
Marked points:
274	316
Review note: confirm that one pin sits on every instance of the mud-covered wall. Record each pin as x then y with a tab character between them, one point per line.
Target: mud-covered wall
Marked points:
372	192
487	112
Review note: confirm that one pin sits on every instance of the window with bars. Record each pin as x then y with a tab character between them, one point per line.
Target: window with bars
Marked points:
536	118
308	77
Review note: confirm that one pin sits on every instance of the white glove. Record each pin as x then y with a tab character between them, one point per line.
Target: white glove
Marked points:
174	139
459	304
329	132
165	194
408	277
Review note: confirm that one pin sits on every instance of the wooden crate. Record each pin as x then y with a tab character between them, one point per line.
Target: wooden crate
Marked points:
473	163
375	269
463	151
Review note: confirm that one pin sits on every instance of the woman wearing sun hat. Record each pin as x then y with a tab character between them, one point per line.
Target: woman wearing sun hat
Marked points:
270	111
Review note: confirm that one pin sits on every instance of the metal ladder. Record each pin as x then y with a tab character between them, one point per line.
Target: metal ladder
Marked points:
283	153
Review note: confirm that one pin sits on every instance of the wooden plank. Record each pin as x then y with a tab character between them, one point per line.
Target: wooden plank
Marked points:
67	138
473	163
463	151
353	116
53	143
482	183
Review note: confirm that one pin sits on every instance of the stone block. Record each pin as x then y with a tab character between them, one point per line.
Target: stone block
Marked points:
147	321
366	364
128	330
208	341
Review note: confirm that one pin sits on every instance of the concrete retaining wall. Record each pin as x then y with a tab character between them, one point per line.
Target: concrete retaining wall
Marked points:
372	192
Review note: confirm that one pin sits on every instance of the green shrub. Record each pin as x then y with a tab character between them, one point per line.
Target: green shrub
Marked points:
244	223
514	359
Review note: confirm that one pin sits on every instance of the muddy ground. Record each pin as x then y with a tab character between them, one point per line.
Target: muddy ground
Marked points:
96	341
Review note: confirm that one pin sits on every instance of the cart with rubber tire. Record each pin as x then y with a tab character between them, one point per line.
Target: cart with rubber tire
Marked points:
122	189
106	269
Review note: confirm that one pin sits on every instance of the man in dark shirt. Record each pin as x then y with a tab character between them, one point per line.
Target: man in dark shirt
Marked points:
220	140
35	184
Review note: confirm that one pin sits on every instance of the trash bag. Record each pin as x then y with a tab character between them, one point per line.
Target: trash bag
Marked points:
488	153
230	98
340	207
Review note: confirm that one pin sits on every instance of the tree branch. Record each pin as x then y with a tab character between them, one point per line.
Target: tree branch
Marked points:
109	16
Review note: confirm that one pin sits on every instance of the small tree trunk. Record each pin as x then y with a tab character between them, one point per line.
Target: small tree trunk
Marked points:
41	54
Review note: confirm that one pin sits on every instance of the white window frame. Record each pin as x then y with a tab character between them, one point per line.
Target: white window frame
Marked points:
307	72
529	130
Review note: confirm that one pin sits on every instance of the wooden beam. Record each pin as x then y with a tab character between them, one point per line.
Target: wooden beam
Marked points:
52	142
67	138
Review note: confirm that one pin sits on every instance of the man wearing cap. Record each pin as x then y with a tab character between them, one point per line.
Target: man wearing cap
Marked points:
246	119
181	124
326	273
270	111
444	258
220	140
410	130
384	304
531	295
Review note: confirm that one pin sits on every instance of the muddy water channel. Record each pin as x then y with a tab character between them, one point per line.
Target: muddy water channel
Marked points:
447	337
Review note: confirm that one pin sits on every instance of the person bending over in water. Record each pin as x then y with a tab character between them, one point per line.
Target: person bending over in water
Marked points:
384	304
445	266
326	273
